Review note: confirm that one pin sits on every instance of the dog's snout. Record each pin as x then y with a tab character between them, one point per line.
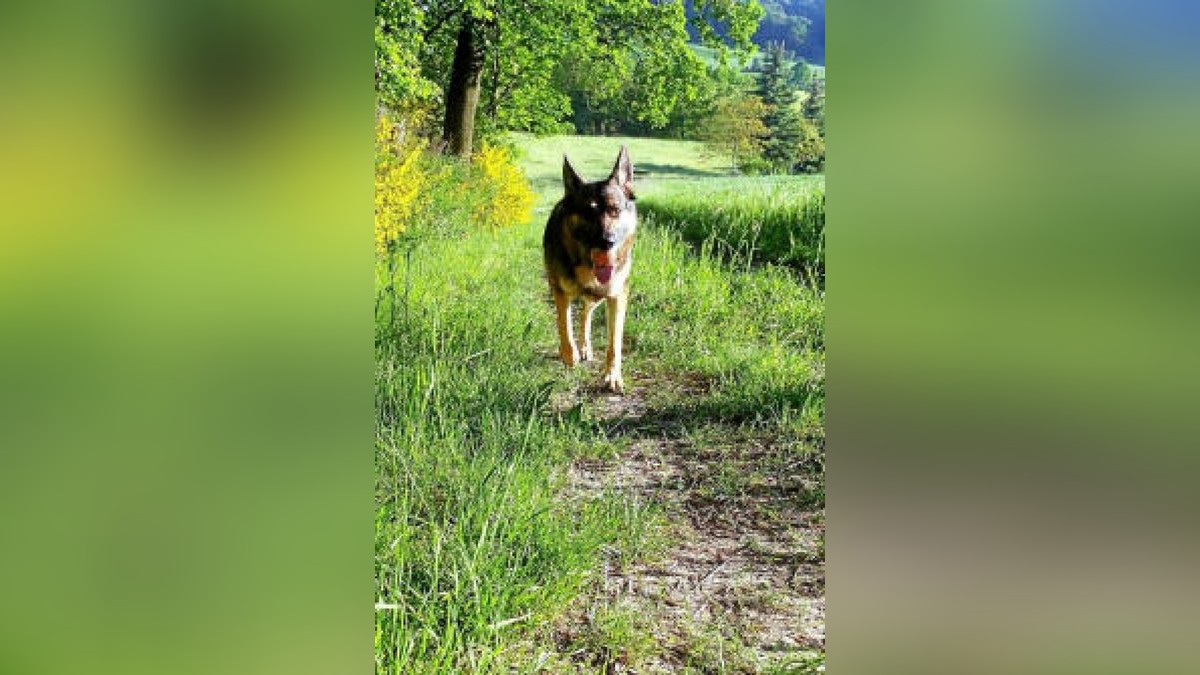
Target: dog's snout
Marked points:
607	242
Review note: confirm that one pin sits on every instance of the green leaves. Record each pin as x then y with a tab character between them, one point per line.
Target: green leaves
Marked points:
626	57
399	82
738	19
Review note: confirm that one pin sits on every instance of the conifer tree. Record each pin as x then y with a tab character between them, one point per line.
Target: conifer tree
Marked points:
783	119
814	103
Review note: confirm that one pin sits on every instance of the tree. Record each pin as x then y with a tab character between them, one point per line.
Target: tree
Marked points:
692	118
643	84
812	145
508	57
736	126
783	119
814	102
462	94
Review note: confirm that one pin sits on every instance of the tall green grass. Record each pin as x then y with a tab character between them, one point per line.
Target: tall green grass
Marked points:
778	220
754	337
474	549
472	545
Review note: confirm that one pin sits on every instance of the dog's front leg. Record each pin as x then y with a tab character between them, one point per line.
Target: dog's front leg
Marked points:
585	329
566	341
615	313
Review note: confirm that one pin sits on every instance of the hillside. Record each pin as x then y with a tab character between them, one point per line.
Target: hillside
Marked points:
799	24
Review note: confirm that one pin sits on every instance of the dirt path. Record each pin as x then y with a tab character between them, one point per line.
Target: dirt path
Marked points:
739	585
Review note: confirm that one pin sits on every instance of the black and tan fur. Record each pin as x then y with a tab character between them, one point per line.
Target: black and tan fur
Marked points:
592	218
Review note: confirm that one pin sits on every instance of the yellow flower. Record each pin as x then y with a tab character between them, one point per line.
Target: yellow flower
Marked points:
511	197
400	182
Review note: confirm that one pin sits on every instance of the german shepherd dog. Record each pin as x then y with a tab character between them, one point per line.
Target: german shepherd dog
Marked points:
588	247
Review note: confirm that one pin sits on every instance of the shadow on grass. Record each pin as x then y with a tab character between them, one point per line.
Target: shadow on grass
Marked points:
646	170
672	410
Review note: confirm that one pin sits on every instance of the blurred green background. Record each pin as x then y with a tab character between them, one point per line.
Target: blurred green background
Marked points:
1012	383
185	354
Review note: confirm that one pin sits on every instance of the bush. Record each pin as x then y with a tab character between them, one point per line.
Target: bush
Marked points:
509	197
420	195
811	150
398	183
756	166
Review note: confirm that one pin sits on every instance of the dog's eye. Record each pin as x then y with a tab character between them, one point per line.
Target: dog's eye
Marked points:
614	211
594	205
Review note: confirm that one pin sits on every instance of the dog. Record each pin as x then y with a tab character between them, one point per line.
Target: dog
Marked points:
588	247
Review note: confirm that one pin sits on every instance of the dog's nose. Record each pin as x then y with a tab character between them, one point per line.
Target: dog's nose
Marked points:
607	243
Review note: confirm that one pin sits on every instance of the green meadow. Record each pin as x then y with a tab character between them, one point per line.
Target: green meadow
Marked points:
522	514
659	162
753	219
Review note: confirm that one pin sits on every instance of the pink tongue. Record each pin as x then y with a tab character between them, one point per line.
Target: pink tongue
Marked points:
604	273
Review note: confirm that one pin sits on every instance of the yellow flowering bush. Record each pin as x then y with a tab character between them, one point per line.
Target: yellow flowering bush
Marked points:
511	199
420	195
400	184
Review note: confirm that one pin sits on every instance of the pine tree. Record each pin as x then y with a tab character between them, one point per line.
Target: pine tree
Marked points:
782	147
814	103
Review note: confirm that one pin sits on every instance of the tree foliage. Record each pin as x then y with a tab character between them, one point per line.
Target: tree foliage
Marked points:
525	62
814	102
399	40
640	72
810	150
720	23
736	127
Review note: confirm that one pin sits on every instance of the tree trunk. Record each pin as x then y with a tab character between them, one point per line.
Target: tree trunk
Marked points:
462	98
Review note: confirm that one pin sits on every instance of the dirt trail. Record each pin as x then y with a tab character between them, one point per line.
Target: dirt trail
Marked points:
741	580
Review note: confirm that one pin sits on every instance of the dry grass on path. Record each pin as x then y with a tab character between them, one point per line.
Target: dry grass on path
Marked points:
738	585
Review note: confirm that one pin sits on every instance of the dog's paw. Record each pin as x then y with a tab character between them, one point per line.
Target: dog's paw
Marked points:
613	382
570	356
585	354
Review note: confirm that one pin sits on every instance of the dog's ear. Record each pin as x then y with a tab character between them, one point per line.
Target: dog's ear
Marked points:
622	173
572	181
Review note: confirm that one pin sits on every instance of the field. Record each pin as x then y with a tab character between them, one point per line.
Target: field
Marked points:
659	163
762	219
527	522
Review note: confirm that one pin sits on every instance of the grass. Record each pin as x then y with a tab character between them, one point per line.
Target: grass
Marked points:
471	544
478	550
659	163
761	365
777	219
618	633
